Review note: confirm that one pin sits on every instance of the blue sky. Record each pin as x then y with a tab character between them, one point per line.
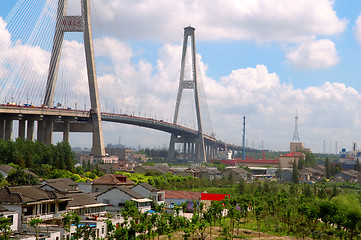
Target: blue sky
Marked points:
263	59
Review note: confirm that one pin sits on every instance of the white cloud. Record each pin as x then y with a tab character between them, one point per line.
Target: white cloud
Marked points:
314	54
261	20
357	29
283	21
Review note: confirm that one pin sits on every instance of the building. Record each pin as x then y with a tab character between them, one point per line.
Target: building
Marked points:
32	202
252	162
60	185
110	181
161	169
236	174
148	191
198	172
117	196
287	160
178	197
285	175
349	176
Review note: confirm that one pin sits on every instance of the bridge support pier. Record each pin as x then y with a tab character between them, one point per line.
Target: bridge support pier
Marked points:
21	129
41	131
49	131
66	131
30	130
2	128
8	129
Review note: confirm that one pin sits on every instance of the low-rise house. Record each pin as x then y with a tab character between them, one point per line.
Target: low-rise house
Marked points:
12	215
61	185
148	191
117	196
179	197
5	170
349	175
198	172
285	175
110	181
311	174
86	206
286	160
236	174
32	202
161	169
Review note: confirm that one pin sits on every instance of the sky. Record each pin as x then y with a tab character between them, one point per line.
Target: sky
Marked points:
263	59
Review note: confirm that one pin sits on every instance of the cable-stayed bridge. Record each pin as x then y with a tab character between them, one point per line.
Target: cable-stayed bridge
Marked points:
38	75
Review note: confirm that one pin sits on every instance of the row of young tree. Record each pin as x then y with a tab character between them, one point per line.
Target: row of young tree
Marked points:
29	154
303	210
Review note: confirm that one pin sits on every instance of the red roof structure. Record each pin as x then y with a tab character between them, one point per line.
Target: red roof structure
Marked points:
292	154
114	179
182	195
214	196
235	162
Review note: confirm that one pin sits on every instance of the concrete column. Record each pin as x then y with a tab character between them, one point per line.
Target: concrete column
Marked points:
49	132
189	151
171	151
21	129
41	131
30	130
8	129
66	131
184	151
192	150
2	128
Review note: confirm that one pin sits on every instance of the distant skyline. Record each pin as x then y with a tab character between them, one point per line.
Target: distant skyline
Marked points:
263	59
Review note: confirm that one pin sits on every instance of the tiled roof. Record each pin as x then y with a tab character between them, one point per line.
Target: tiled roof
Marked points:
149	187
187	195
126	190
62	184
239	170
6	168
160	168
26	194
113	179
81	199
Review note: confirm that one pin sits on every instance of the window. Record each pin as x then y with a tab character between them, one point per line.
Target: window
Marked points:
11	217
103	230
62	206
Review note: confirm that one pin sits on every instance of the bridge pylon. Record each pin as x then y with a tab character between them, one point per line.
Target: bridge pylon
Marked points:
193	148
81	23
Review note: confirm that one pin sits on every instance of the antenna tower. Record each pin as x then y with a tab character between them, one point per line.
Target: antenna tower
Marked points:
296	138
244	137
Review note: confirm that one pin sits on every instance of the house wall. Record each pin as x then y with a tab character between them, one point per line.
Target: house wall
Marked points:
15	220
101	187
114	197
142	191
17	209
287	162
85	187
4	174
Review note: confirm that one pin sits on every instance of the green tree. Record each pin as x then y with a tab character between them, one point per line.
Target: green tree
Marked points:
357	165
301	163
5	224
19	177
295	173
34	223
327	168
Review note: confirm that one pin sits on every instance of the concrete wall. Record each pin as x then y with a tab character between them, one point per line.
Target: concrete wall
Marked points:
114	197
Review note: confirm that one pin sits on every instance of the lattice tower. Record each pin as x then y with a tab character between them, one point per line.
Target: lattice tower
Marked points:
296	138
